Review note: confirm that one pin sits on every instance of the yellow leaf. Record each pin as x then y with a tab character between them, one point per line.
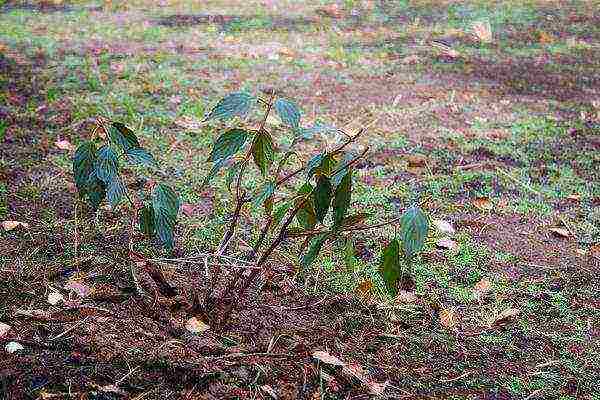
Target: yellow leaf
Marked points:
365	288
448	318
545	37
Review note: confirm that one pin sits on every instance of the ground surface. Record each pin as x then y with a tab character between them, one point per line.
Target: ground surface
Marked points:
502	140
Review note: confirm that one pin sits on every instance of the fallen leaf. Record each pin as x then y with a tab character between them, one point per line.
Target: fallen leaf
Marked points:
195	325
365	288
406	297
327	358
4	329
545	37
574	197
10	225
331	10
481	289
64	145
79	288
581	252
54	298
444	226
284	51
445	243
506	315
482	31
12	347
562	232
482	203
188	209
412	59
448	318
377	388
595	251
416	160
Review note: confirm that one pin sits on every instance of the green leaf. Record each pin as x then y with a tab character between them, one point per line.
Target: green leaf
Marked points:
288	112
306	216
233	104
3	127
322	197
228	144
139	156
123	136
146	220
280	212
390	267
262	151
106	165
341	199
115	191
313	164
95	193
84	160
349	257
313	251
414	228
341	169
217	166
166	207
265	192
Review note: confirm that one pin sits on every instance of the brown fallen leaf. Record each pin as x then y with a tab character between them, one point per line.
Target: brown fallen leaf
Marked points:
481	289
327	358
482	30
416	160
405	297
506	315
448	318
594	251
330	10
545	38
446	243
482	203
574	197
412	59
10	225
365	288
195	325
80	289
562	232
64	145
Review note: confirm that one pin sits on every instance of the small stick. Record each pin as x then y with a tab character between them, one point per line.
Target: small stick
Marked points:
70	329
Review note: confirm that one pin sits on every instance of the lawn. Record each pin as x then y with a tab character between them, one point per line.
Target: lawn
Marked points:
495	134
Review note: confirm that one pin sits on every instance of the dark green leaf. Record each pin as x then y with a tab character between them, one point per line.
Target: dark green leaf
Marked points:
262	151
322	197
288	112
146	220
414	226
390	267
107	164
3	126
280	212
313	251
228	144
217	166
233	104
95	193
140	156
341	199
115	191
349	257
166	207
306	216
123	136
83	165
264	193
